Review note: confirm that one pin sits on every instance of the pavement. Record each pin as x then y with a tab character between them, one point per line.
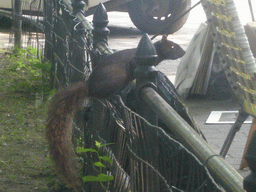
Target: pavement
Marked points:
125	35
199	109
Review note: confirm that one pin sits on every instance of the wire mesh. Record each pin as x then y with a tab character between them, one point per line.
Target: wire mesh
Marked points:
67	46
145	158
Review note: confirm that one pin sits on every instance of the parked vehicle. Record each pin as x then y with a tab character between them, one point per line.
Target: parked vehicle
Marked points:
153	15
29	7
149	16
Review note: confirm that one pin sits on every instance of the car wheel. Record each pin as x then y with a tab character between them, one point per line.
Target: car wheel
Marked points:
151	16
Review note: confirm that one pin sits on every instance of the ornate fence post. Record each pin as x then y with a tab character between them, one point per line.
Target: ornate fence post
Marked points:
146	74
100	32
77	48
48	50
77	62
78	6
250	180
100	22
60	47
101	49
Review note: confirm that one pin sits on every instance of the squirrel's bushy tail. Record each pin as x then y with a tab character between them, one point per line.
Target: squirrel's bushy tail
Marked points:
62	108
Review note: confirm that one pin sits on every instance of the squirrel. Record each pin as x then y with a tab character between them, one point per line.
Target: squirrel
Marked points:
109	76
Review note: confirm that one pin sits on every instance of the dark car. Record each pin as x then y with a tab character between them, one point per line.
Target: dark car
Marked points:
150	16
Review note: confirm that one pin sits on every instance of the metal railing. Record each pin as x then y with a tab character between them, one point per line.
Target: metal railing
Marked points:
141	149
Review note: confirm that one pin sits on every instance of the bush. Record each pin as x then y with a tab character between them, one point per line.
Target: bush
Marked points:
23	71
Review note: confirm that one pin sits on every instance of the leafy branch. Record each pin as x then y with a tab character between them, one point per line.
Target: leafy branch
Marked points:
98	165
25	71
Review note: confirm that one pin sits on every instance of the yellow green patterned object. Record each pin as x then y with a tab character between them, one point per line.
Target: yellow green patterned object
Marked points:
233	45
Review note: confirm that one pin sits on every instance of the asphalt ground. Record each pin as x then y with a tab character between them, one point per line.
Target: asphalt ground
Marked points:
125	35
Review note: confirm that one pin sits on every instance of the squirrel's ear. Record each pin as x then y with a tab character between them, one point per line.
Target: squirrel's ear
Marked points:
164	38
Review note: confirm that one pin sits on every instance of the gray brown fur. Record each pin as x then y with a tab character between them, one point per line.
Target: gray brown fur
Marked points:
111	75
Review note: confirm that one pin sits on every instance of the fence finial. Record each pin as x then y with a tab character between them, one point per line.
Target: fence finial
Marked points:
145	74
146	53
100	22
145	57
78	6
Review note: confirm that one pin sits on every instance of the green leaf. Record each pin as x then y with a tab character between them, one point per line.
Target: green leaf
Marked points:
83	150
103	177
97	143
90	178
100	177
107	159
99	164
107	144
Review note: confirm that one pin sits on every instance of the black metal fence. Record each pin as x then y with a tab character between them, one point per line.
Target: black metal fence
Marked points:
67	45
145	158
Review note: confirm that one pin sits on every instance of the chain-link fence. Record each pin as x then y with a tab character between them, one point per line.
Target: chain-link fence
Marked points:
67	45
145	157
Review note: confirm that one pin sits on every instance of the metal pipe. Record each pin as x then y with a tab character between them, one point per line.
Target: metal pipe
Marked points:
226	175
252	14
17	23
234	129
38	25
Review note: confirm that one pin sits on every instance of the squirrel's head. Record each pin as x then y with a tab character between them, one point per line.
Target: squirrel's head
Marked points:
167	49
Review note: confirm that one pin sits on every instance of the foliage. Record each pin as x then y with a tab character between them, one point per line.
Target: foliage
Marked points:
89	157
22	144
23	149
98	162
25	72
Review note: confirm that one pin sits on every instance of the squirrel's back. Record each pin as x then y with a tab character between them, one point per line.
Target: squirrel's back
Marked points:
110	75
